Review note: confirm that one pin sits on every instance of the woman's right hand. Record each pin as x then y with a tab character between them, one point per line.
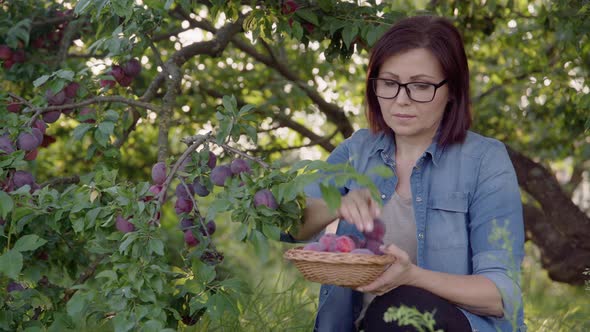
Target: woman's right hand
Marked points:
359	208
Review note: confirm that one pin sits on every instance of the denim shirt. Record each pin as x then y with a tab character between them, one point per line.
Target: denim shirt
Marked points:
468	214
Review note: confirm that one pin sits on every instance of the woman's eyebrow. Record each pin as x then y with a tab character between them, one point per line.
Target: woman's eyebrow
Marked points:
411	77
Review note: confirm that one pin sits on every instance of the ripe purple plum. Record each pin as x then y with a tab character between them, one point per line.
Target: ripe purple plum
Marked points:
21	178
132	68
5	52
31	155
190	239
219	175
183	206
362	251
14	107
107	83
72	89
117	72
314	246
27	141
51	116
212	162
125	81
159	173
344	244
378	230
358	242
265	197
14	287
374	245
123	225
239	166
200	189
186	223
181	192
6	144
328	240
210	226
54	98
39	124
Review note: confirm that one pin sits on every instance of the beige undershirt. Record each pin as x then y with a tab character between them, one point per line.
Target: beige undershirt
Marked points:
400	229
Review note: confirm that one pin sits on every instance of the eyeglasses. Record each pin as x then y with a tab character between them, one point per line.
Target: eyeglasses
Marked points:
420	92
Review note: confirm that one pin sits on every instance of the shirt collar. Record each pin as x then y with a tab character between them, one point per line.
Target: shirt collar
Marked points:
385	144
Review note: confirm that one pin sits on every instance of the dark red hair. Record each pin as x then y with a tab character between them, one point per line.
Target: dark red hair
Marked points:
439	36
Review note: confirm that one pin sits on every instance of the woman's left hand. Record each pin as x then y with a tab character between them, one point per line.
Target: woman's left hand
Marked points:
397	274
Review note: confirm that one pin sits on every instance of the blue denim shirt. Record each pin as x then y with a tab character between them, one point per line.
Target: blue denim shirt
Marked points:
468	214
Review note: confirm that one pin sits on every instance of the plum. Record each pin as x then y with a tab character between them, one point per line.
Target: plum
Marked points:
132	68
183	206
123	225
239	166
343	244
374	245
159	173
31	155
21	178
186	223
72	89
266	198
14	107
39	124
181	192
55	98
211	227
200	188
219	175
5	52
212	161
117	72
51	116
6	144
125	81
327	240
14	287
190	239
378	230
362	251
27	141
107	83
314	246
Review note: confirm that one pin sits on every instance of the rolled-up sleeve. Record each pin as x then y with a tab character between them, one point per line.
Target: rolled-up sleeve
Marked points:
496	226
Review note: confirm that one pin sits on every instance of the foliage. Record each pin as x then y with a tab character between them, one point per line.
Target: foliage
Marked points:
406	316
256	80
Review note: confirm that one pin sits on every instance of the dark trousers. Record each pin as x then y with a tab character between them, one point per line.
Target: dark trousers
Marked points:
447	316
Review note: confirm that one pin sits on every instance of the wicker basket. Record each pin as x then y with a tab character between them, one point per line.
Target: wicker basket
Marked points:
341	269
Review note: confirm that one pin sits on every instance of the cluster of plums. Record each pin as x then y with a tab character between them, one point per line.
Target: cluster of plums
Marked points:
123	74
350	243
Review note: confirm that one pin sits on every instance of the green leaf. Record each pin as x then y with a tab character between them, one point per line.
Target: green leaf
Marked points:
157	246
28	243
260	245
271	231
382	171
308	15
76	305
6	204
11	263
65	74
230	104
111	116
106	127
331	195
204	273
82	6
40	81
349	34
122	8
81	130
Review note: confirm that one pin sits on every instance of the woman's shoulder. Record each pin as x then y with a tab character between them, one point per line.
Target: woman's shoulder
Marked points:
477	145
366	139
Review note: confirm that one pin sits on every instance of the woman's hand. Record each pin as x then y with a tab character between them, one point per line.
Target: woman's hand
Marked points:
397	274
359	208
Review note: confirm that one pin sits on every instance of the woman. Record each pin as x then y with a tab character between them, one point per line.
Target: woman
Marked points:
452	211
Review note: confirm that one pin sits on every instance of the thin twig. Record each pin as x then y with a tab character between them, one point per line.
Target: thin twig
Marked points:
238	152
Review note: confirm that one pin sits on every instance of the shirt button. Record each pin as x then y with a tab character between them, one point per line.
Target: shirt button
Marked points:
383	196
420	236
325	292
418	199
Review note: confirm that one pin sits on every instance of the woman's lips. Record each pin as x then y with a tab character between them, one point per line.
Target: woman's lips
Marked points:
404	116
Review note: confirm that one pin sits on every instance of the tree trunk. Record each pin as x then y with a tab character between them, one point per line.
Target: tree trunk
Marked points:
558	227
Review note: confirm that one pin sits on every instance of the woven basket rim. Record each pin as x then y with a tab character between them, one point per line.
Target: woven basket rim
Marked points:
298	254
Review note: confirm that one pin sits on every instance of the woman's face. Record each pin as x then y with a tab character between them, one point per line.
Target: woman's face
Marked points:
405	116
